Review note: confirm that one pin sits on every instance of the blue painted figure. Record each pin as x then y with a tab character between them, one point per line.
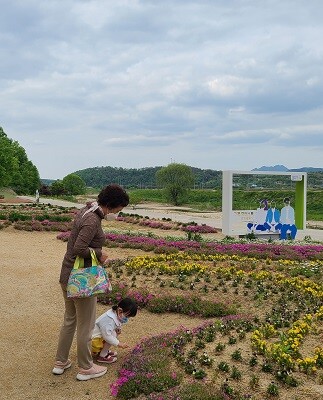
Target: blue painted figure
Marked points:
287	220
273	218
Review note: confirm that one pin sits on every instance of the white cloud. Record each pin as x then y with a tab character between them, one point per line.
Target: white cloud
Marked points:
227	86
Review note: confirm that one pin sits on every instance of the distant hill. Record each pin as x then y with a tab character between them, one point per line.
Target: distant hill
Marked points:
307	169
275	168
47	181
282	168
142	178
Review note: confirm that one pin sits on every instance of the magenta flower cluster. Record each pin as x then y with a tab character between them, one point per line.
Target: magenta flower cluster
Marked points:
257	250
157	224
199	229
124	376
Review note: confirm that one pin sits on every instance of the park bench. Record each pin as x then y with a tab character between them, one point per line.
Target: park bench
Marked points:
267	235
264	235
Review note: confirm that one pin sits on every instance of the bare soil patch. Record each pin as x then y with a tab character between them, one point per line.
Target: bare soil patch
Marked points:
14	200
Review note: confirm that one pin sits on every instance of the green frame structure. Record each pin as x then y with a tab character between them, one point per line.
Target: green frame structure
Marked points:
229	215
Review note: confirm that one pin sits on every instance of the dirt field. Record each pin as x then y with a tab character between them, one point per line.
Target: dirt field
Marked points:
31	310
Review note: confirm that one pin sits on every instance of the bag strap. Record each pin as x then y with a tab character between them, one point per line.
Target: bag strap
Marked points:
95	261
79	261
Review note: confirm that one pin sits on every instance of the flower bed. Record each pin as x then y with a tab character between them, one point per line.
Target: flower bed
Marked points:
257	250
37	217
273	337
166	224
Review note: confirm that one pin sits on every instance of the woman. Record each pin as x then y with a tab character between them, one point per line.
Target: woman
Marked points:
80	314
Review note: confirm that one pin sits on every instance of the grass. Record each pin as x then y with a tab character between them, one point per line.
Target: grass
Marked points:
7	193
211	200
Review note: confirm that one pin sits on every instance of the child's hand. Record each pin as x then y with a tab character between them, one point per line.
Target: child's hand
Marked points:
123	345
104	257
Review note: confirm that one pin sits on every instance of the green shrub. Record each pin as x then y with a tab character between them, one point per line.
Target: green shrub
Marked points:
193	305
16	216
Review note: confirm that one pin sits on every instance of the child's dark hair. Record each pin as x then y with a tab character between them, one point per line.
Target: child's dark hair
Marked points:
128	306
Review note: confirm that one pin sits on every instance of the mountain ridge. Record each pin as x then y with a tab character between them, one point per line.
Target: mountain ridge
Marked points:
283	168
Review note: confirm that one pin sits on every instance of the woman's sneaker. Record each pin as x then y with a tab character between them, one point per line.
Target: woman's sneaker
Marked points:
94	372
112	353
60	367
108	359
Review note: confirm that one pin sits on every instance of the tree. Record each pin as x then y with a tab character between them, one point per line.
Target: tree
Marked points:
74	185
176	180
16	171
57	188
25	177
7	162
45	190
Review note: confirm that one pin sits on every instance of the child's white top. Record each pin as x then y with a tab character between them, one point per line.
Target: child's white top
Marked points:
106	326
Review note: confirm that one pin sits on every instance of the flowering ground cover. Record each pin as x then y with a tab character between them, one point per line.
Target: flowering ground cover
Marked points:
263	340
263	309
258	250
36	217
166	224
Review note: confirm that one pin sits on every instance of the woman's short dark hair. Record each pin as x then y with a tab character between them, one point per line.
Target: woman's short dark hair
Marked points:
128	306
113	196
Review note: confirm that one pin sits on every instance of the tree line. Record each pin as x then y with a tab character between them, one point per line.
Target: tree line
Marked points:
145	178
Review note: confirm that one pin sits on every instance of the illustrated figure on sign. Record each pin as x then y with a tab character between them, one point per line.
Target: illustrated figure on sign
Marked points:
273	218
287	220
259	218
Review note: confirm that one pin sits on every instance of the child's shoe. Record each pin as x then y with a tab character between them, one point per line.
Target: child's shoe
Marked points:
94	372
60	367
112	353
108	359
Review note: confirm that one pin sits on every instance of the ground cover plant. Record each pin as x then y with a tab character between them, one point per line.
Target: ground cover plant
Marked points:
36	217
257	249
263	340
263	334
166	224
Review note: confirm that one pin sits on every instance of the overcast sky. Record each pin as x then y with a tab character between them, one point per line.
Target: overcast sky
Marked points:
218	84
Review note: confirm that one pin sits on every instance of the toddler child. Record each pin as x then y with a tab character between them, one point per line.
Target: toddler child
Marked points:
108	327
